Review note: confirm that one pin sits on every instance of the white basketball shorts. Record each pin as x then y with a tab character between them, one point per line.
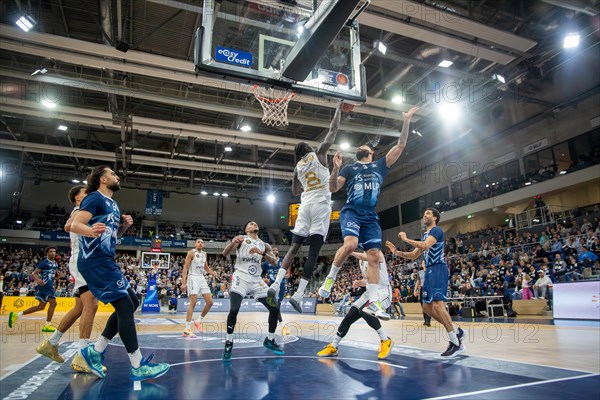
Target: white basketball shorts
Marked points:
248	285
197	285
313	219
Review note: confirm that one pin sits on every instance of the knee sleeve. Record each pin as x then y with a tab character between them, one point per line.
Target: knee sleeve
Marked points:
236	303
372	321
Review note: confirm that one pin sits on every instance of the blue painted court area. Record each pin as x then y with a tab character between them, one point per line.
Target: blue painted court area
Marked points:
197	372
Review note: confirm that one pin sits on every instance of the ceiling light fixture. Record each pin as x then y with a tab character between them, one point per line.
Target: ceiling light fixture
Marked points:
571	41
445	63
63	128
25	22
245	128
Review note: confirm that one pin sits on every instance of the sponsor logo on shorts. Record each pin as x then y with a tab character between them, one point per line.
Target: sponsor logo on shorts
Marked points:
252	269
351	224
121	283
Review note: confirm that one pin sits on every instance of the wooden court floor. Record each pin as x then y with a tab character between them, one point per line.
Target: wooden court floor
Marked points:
570	344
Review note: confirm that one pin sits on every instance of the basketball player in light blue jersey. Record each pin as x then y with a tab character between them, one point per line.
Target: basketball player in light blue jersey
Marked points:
363	180
435	286
99	223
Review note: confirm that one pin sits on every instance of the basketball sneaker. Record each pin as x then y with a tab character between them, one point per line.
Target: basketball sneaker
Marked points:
325	289
188	333
51	351
375	309
93	359
272	295
12	318
78	364
328	351
198	326
385	349
274	347
460	334
453	350
48	328
148	370
227	351
296	302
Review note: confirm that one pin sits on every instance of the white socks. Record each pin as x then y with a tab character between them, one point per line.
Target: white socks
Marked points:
301	287
271	335
229	337
187	325
453	338
82	344
55	338
382	335
101	344
336	341
334	271
135	358
280	274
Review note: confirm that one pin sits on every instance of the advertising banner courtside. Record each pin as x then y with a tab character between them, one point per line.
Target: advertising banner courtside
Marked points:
18	303
309	305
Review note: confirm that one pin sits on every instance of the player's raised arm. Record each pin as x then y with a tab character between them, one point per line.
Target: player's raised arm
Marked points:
336	182
330	138
395	152
233	245
296	185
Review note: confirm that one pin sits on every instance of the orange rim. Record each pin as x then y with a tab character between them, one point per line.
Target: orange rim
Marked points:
269	100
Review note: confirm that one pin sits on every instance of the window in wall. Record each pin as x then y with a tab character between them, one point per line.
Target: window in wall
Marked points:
562	156
530	162
389	218
410	211
582	146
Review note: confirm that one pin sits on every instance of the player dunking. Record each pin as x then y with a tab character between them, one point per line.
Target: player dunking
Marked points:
85	303
196	263
358	219
384	294
436	277
311	178
99	224
246	280
44	291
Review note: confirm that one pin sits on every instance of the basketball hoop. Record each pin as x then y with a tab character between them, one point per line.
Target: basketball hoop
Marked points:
274	103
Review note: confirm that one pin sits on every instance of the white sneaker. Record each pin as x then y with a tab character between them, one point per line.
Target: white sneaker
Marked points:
376	310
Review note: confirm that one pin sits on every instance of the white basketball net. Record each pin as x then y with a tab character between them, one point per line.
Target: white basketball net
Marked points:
274	103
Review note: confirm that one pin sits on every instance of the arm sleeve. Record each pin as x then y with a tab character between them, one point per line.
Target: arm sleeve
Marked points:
90	204
345	172
437	233
382	166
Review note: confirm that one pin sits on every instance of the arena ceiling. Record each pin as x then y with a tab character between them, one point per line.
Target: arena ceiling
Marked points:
148	114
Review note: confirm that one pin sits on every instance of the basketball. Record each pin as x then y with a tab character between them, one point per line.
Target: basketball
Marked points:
341	79
347	108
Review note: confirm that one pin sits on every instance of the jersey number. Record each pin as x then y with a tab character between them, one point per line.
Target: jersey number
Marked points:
312	179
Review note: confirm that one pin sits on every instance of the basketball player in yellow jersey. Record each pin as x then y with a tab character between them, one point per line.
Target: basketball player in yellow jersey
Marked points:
311	178
194	282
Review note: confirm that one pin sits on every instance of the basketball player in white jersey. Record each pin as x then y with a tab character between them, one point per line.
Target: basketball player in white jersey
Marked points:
193	280
247	281
311	178
86	304
384	295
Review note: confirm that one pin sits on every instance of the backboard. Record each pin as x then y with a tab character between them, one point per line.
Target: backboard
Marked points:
248	41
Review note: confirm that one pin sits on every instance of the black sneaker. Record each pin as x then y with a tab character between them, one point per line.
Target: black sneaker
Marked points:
227	351
460	334
453	350
274	347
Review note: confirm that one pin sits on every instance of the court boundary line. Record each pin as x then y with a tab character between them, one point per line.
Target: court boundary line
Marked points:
283	357
498	389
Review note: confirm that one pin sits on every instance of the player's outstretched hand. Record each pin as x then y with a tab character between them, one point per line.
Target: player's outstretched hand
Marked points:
390	246
238	239
337	159
410	112
402	236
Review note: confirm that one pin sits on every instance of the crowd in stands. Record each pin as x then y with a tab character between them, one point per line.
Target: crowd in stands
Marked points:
496	261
